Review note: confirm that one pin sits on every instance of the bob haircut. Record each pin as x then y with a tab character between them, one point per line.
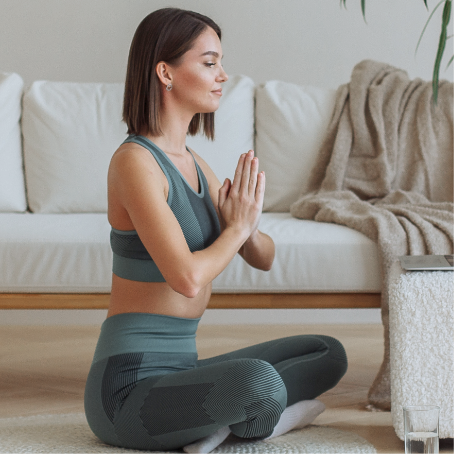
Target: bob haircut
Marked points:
164	35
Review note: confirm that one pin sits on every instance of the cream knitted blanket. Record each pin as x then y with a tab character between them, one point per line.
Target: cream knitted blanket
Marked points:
386	169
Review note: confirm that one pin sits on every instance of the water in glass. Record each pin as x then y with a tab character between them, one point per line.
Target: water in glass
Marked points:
421	442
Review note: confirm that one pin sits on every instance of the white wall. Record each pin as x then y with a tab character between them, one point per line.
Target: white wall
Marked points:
313	42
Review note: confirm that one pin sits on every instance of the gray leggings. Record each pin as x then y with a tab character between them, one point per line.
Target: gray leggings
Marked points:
147	390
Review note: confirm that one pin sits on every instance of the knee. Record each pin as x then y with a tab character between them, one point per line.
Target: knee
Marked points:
263	401
258	380
250	389
337	355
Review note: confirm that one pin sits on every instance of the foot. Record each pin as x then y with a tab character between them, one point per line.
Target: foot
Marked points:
207	444
297	416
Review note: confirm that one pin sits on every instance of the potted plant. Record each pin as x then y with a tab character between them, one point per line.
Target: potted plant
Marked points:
446	16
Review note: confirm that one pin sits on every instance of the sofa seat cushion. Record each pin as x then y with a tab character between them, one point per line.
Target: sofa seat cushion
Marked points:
65	253
310	257
55	253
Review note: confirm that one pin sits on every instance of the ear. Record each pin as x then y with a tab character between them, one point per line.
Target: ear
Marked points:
164	72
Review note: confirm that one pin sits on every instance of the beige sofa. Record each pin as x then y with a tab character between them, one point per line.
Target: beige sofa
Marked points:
56	140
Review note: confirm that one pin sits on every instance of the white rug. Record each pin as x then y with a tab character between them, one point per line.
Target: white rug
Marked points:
69	433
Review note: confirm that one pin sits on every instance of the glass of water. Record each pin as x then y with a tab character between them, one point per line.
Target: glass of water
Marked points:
421	429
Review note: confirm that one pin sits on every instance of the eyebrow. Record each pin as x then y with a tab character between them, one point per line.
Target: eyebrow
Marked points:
211	52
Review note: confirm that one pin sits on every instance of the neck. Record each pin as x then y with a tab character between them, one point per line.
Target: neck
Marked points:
174	126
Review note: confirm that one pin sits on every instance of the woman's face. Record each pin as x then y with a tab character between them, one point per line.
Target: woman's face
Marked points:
197	79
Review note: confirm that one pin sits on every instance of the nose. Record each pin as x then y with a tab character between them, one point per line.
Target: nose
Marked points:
223	76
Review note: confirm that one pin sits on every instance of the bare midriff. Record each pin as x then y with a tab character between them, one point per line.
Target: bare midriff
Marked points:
155	298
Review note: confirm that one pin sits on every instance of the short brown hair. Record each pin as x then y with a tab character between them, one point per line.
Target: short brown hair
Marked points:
164	35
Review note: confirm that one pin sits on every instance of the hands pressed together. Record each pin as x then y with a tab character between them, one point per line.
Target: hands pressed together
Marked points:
240	203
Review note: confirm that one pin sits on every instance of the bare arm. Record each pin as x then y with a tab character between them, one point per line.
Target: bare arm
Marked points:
258	251
138	188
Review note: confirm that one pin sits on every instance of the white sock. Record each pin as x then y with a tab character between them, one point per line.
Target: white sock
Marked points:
207	444
297	416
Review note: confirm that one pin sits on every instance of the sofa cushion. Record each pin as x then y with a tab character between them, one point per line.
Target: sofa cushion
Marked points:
310	257
71	253
55	253
12	189
291	121
71	130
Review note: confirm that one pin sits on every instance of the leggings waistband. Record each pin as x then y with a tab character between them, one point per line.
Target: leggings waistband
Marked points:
144	332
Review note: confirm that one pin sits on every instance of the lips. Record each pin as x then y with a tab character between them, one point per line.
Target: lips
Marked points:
217	92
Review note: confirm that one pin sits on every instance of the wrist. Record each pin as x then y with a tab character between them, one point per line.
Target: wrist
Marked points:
241	235
253	237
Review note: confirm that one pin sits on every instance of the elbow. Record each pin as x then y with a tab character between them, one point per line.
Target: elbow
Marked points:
187	285
190	292
267	267
261	265
268	263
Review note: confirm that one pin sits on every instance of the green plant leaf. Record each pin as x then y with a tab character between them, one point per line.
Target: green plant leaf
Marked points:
441	43
449	62
441	47
363	7
427	23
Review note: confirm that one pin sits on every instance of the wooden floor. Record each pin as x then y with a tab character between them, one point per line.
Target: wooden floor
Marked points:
43	370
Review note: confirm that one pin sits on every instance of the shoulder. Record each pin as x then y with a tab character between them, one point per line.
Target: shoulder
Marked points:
129	152
131	164
132	156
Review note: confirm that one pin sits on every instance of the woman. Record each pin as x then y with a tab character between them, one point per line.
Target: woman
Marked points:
174	229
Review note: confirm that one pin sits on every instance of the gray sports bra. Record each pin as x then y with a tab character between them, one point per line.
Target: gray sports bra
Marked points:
194	211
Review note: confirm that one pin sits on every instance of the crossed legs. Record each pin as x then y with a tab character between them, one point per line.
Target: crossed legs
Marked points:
246	390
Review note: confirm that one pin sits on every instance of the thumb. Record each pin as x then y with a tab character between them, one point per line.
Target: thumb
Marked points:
224	192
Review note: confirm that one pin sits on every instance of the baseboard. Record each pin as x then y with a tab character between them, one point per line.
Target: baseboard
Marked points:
211	317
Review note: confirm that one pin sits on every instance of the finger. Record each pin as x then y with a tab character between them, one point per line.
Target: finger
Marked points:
260	188
238	172
246	172
253	177
224	192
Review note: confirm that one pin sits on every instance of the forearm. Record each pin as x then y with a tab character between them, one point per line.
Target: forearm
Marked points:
207	264
258	251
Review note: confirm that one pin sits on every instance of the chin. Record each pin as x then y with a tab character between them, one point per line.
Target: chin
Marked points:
216	106
209	109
